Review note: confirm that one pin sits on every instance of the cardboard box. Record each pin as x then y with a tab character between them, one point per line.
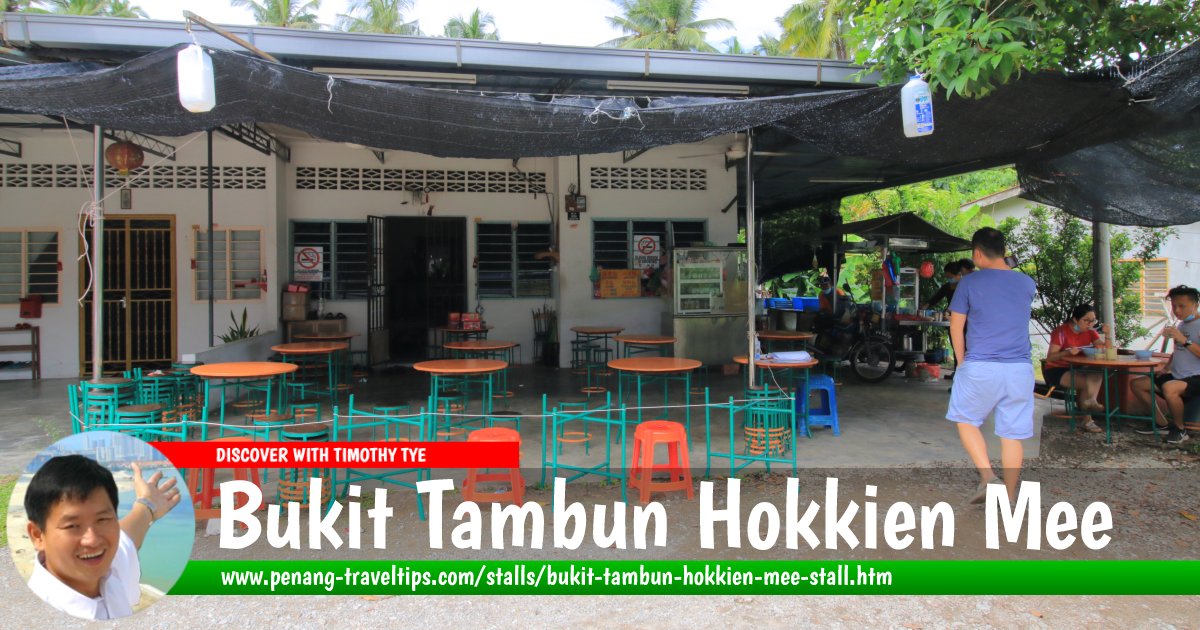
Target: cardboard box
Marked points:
294	312
293	287
472	325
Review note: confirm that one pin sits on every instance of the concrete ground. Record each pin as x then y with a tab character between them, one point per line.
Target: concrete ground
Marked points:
896	423
899	423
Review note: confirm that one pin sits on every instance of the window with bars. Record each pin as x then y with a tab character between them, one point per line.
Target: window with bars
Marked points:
507	263
612	240
237	264
29	265
346	247
1152	286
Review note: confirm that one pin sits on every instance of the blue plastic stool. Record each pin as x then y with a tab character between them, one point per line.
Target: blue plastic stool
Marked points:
826	415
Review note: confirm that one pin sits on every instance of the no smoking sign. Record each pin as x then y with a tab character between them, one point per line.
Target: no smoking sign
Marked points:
307	263
646	251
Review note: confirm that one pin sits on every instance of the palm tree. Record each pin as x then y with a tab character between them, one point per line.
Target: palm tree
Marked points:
285	13
379	16
734	47
72	7
816	28
663	25
769	45
473	27
123	8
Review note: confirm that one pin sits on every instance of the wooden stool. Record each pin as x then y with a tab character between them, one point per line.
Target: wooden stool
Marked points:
516	491
641	464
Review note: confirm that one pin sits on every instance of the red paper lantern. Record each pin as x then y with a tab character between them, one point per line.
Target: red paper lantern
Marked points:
124	156
927	269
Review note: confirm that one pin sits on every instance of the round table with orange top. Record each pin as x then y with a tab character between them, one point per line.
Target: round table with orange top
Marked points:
343	336
465	372
234	373
645	344
664	368
346	375
317	348
789	336
1112	367
451	334
487	349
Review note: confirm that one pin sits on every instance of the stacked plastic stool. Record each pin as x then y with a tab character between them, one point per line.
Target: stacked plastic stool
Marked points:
827	414
516	481
646	437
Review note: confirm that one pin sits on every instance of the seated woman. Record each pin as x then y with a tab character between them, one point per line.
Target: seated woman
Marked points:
1068	340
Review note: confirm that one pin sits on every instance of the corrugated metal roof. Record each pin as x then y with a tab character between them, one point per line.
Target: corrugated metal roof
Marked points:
510	66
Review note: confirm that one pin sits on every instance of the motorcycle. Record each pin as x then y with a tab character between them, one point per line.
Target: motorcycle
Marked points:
857	341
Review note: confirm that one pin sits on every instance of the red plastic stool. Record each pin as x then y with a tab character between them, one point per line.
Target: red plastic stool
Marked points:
641	465
203	484
516	482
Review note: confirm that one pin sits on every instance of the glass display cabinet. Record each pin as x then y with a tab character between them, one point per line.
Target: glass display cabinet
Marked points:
709	302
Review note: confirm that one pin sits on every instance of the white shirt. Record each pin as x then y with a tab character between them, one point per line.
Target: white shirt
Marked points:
119	589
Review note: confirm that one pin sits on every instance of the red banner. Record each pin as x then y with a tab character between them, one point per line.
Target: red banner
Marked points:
249	454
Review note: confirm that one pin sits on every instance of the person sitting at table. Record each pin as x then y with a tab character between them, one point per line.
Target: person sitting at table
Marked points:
1181	382
1069	339
953	271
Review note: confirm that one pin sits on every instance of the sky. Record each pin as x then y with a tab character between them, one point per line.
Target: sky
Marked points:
569	22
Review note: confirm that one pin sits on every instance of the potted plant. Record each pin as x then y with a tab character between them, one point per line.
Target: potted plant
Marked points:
238	330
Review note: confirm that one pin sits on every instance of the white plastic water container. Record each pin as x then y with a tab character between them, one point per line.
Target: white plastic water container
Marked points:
197	90
916	107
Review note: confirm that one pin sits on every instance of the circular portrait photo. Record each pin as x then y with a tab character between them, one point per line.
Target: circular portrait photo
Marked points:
96	525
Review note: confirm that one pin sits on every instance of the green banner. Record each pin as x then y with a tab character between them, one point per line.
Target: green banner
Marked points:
690	577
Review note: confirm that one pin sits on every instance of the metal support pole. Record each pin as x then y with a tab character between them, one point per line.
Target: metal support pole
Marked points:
751	254
212	279
1102	259
98	253
1097	283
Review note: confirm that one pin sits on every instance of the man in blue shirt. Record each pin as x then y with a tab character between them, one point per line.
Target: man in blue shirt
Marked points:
995	373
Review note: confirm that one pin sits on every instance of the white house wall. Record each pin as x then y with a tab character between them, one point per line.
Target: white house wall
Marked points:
636	315
278	202
512	317
58	207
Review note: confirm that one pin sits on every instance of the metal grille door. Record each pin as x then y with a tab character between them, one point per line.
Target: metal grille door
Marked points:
139	295
378	338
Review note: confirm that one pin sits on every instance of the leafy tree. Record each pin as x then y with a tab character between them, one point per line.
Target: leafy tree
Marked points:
379	16
969	47
125	9
937	201
473	27
816	29
663	25
1055	249
769	45
285	13
71	7
734	47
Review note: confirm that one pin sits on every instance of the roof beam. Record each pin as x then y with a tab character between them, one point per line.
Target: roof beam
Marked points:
257	138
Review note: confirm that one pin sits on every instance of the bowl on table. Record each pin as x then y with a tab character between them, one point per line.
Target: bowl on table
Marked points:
1088	352
1143	355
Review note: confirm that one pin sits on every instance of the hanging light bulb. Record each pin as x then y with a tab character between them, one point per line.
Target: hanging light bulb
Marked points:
197	90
